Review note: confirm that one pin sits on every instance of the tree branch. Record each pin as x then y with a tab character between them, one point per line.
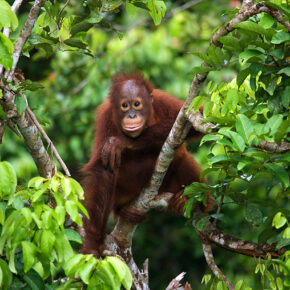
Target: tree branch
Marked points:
25	33
228	242
211	263
174	284
45	136
278	148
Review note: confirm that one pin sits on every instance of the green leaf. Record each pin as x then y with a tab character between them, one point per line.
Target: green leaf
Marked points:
157	10
31	86
6	280
252	26
285	97
141	5
47	242
86	269
196	103
201	70
36	182
279	172
72	209
273	124
251	54
253	214
29	255
237	141
73	236
203	56
266	21
6	50
20	103
207	108
210	137
219	158
73	263
66	186
189	207
7	16
244	127
8	180
232	99
242	75
76	188
280	37
60	214
131	9
231	42
33	280
279	220
201	224
285	70
74	42
82	26
122	270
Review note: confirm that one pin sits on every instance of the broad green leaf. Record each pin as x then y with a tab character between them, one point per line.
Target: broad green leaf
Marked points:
73	263
252	26
201	70
72	209
286	97
131	9
36	182
196	103
200	225
157	10
76	188
286	233
29	255
218	149
237	141
231	42
6	50
47	243
273	124
232	99
189	207
122	271
107	274
73	236
279	220
280	37
86	269
8	180
244	127
79	27
20	103
6	280
219	158
266	21
7	16
285	70
74	42
210	137
251	54
26	212
30	85
33	280
203	56
242	76
279	172
66	186
207	108
60	214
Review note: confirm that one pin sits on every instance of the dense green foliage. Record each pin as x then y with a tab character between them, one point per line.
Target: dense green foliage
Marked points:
73	55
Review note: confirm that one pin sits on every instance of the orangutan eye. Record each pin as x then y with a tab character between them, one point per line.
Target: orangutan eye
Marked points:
136	104
125	105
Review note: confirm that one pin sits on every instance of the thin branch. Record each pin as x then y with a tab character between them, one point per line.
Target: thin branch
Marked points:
181	8
45	136
174	284
60	12
228	242
3	124
25	33
211	263
278	148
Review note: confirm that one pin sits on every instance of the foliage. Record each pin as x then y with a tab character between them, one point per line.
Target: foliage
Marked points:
36	245
73	53
253	107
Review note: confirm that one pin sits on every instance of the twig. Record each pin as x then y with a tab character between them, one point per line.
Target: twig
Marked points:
25	33
3	124
228	242
181	8
60	12
278	148
211	263
53	149
174	284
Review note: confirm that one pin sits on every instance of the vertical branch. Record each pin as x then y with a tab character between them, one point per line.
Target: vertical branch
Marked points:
25	33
